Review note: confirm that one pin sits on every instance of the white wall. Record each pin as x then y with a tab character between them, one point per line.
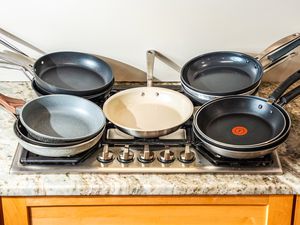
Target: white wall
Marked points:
125	29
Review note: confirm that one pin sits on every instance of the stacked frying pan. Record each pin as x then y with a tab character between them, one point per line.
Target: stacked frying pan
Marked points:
218	74
56	125
245	126
72	73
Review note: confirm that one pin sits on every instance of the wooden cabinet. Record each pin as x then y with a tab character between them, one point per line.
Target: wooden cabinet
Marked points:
297	211
147	210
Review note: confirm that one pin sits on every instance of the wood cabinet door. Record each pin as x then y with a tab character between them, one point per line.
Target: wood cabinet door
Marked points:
297	211
171	210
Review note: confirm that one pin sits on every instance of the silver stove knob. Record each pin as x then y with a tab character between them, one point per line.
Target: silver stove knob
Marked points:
146	156
166	156
105	156
126	155
187	156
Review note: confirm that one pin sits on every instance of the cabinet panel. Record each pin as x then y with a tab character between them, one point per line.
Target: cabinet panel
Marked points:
135	215
148	210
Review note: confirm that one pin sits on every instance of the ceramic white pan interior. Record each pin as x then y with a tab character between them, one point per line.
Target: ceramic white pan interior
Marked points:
148	111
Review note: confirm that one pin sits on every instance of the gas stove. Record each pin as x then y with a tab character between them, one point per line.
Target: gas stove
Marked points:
179	152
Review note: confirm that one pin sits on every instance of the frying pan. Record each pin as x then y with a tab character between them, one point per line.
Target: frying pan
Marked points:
73	73
227	73
223	73
246	153
148	112
245	122
59	151
58	118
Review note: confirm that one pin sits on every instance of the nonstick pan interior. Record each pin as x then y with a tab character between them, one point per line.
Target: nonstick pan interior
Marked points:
222	73
72	72
240	120
62	118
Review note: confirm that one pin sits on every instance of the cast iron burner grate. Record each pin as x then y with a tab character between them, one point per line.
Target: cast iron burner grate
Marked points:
29	158
152	142
218	160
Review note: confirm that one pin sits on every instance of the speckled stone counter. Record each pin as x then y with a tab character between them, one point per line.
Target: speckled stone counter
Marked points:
140	184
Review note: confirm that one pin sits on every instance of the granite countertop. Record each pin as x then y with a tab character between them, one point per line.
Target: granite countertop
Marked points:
145	184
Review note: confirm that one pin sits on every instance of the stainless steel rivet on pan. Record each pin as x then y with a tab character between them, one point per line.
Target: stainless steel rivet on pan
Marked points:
260	106
42	62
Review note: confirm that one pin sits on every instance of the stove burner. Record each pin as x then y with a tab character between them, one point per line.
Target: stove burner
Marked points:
29	158
218	160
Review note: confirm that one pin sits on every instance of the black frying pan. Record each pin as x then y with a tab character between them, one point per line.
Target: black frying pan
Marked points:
73	73
244	122
227	73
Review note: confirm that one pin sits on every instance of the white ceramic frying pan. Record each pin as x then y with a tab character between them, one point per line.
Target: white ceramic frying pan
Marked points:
148	112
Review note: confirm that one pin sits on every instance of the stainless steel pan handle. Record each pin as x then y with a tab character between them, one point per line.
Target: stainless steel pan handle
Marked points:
24	62
19	40
151	55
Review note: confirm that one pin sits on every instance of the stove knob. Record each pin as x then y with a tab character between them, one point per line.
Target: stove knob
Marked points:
146	156
187	156
126	155
105	156
166	156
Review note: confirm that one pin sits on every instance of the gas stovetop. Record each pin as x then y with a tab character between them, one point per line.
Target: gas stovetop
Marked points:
118	152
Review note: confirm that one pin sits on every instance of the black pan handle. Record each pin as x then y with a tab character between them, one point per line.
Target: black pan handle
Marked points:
284	86
284	50
289	96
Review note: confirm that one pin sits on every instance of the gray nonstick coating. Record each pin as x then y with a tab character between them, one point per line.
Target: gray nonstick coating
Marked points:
72	73
62	118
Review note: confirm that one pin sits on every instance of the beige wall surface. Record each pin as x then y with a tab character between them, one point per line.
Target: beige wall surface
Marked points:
125	29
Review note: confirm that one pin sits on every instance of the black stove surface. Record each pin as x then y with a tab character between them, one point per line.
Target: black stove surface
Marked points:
29	158
218	160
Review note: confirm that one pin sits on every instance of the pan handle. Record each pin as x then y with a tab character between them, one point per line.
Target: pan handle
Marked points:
284	50
24	62
285	99
18	40
277	53
12	105
151	55
283	87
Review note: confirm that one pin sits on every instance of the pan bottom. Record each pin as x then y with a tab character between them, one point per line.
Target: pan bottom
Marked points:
239	129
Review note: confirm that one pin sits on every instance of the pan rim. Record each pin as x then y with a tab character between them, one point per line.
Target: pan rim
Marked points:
101	116
243	90
91	91
186	99
282	111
